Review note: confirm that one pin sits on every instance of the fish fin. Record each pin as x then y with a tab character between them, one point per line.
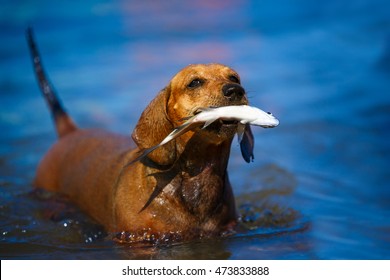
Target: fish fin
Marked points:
247	144
206	109
207	123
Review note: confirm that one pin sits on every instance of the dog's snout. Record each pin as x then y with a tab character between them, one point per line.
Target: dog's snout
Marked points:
233	92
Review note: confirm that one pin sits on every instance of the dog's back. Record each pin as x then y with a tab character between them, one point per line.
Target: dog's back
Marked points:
82	164
179	192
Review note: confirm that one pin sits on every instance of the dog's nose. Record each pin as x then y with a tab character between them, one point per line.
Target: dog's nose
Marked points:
233	92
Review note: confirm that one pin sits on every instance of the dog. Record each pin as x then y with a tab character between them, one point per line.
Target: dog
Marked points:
180	191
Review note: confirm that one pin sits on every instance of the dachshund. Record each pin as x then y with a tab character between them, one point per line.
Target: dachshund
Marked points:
180	191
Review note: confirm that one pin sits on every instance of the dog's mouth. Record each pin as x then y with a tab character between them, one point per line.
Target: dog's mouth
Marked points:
228	123
220	127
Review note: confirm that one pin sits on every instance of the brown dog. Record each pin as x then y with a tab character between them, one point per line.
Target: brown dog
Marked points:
180	191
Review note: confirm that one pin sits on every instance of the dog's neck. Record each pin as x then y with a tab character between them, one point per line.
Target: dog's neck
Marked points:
201	183
197	181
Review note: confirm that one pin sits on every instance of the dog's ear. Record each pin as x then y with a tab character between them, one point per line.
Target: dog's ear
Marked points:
247	144
153	126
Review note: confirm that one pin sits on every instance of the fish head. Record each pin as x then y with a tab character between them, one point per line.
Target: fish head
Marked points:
264	119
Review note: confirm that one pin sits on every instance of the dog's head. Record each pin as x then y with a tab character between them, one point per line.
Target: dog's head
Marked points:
194	87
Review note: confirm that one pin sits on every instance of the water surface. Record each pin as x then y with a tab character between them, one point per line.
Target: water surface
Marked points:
319	186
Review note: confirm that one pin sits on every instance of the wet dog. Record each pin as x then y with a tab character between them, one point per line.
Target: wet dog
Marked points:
180	191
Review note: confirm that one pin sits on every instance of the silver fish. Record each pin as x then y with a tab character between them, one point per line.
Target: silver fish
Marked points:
245	115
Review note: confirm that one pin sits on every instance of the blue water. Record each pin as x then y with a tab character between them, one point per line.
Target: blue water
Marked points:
319	187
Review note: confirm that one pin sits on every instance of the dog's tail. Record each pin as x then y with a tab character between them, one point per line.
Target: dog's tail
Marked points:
63	123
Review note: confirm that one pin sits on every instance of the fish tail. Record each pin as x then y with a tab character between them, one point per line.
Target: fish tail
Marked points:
175	133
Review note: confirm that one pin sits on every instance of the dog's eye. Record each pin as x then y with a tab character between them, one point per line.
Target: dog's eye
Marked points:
234	79
195	83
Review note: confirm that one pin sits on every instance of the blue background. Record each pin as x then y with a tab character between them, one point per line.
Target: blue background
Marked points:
319	186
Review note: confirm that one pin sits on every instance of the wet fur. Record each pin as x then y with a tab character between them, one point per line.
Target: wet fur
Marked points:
181	190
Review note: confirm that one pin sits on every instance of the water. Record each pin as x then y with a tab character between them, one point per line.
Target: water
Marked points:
319	186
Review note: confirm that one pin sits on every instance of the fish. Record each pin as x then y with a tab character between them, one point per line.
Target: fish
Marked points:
245	116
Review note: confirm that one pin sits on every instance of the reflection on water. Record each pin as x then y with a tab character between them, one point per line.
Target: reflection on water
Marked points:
318	188
48	226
